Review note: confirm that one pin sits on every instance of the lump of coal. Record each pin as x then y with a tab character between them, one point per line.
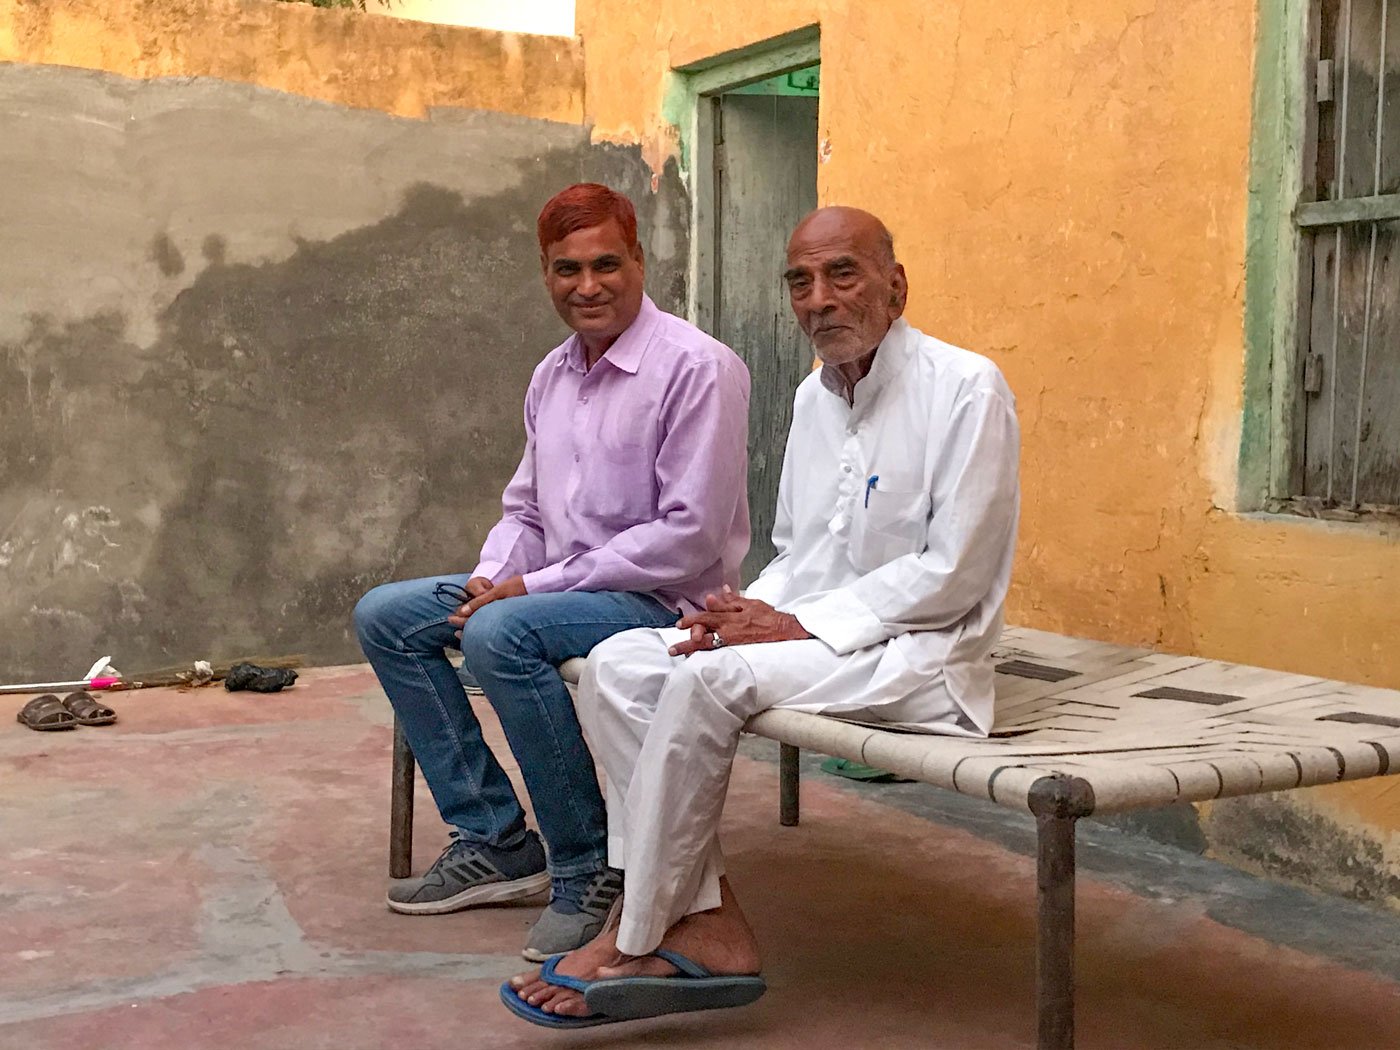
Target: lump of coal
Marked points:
258	679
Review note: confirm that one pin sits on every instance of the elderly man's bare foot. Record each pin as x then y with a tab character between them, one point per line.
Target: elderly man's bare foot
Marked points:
719	940
582	962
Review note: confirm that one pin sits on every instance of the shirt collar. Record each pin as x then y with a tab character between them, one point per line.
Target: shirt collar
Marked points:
889	356
629	349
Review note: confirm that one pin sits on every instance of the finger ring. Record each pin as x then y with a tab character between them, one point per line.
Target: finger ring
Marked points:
716	641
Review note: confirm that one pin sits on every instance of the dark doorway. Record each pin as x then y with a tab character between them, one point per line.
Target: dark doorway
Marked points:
762	178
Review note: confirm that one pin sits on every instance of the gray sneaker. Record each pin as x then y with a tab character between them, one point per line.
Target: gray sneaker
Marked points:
466	876
578	908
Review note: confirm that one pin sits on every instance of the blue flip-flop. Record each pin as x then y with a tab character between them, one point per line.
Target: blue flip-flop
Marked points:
633	998
694	988
532	1013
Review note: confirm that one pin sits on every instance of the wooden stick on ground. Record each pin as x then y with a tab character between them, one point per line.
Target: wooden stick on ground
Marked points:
184	674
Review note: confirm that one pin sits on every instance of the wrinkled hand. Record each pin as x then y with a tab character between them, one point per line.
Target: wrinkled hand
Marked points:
484	593
738	621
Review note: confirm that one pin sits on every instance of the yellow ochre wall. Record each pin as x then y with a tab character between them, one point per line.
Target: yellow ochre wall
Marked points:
336	56
1067	185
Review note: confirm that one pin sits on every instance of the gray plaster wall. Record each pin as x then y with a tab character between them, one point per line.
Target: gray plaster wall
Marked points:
259	353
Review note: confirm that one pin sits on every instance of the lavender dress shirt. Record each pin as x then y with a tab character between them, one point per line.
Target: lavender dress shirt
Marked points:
634	476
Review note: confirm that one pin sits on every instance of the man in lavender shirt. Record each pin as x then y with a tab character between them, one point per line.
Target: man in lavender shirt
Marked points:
628	507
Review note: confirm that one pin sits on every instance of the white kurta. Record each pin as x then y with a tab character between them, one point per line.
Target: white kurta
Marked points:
895	528
895	532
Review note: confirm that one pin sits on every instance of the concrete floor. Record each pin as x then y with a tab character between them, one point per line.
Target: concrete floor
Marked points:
209	873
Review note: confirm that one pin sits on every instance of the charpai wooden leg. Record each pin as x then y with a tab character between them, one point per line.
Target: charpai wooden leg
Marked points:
789	785
1057	802
401	807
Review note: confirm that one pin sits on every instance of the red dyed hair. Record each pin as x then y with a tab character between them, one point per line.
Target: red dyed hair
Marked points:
584	205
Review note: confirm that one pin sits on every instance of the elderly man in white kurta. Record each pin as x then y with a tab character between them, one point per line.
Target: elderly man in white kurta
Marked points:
895	531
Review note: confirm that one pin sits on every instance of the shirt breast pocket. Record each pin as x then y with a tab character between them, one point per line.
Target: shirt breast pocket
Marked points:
890	524
620	486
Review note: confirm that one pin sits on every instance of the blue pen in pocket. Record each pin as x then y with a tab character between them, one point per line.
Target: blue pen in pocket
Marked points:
869	487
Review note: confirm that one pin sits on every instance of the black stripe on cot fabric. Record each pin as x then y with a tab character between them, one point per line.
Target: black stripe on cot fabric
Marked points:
1341	763
1040	672
956	766
1194	696
1384	757
992	782
1361	718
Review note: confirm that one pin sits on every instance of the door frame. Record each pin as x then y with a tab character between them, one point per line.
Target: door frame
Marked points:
693	86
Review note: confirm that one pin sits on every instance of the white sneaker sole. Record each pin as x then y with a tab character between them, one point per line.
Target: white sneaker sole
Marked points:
475	897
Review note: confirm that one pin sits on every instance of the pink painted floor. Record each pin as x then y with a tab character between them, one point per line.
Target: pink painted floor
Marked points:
210	873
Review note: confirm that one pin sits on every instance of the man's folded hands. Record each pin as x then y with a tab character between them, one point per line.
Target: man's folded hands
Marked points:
731	619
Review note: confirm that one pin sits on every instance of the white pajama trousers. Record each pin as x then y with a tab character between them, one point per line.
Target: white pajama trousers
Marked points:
665	730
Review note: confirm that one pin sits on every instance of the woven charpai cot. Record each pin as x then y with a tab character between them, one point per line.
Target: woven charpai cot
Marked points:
1141	728
1085	727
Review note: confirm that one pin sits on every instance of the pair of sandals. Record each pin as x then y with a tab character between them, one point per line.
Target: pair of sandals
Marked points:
46	713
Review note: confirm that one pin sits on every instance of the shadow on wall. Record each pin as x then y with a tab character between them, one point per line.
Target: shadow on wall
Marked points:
299	431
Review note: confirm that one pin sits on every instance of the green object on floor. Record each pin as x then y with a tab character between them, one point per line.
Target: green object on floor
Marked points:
844	767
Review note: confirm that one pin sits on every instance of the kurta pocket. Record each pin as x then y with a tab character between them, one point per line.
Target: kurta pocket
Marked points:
890	525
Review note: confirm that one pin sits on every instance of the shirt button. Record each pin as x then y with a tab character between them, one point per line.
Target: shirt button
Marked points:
583	400
851	430
575	457
846	469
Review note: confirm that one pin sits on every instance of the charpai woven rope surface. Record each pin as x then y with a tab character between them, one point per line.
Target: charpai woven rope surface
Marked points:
1144	729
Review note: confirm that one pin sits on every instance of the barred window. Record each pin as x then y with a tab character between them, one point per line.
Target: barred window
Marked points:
1344	454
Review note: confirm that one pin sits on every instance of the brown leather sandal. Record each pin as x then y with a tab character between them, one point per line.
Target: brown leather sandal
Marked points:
46	713
88	711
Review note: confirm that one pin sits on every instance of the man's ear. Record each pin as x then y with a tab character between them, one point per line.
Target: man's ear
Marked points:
638	256
899	291
544	265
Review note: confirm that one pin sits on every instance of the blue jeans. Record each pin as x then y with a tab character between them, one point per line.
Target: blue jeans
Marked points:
512	648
